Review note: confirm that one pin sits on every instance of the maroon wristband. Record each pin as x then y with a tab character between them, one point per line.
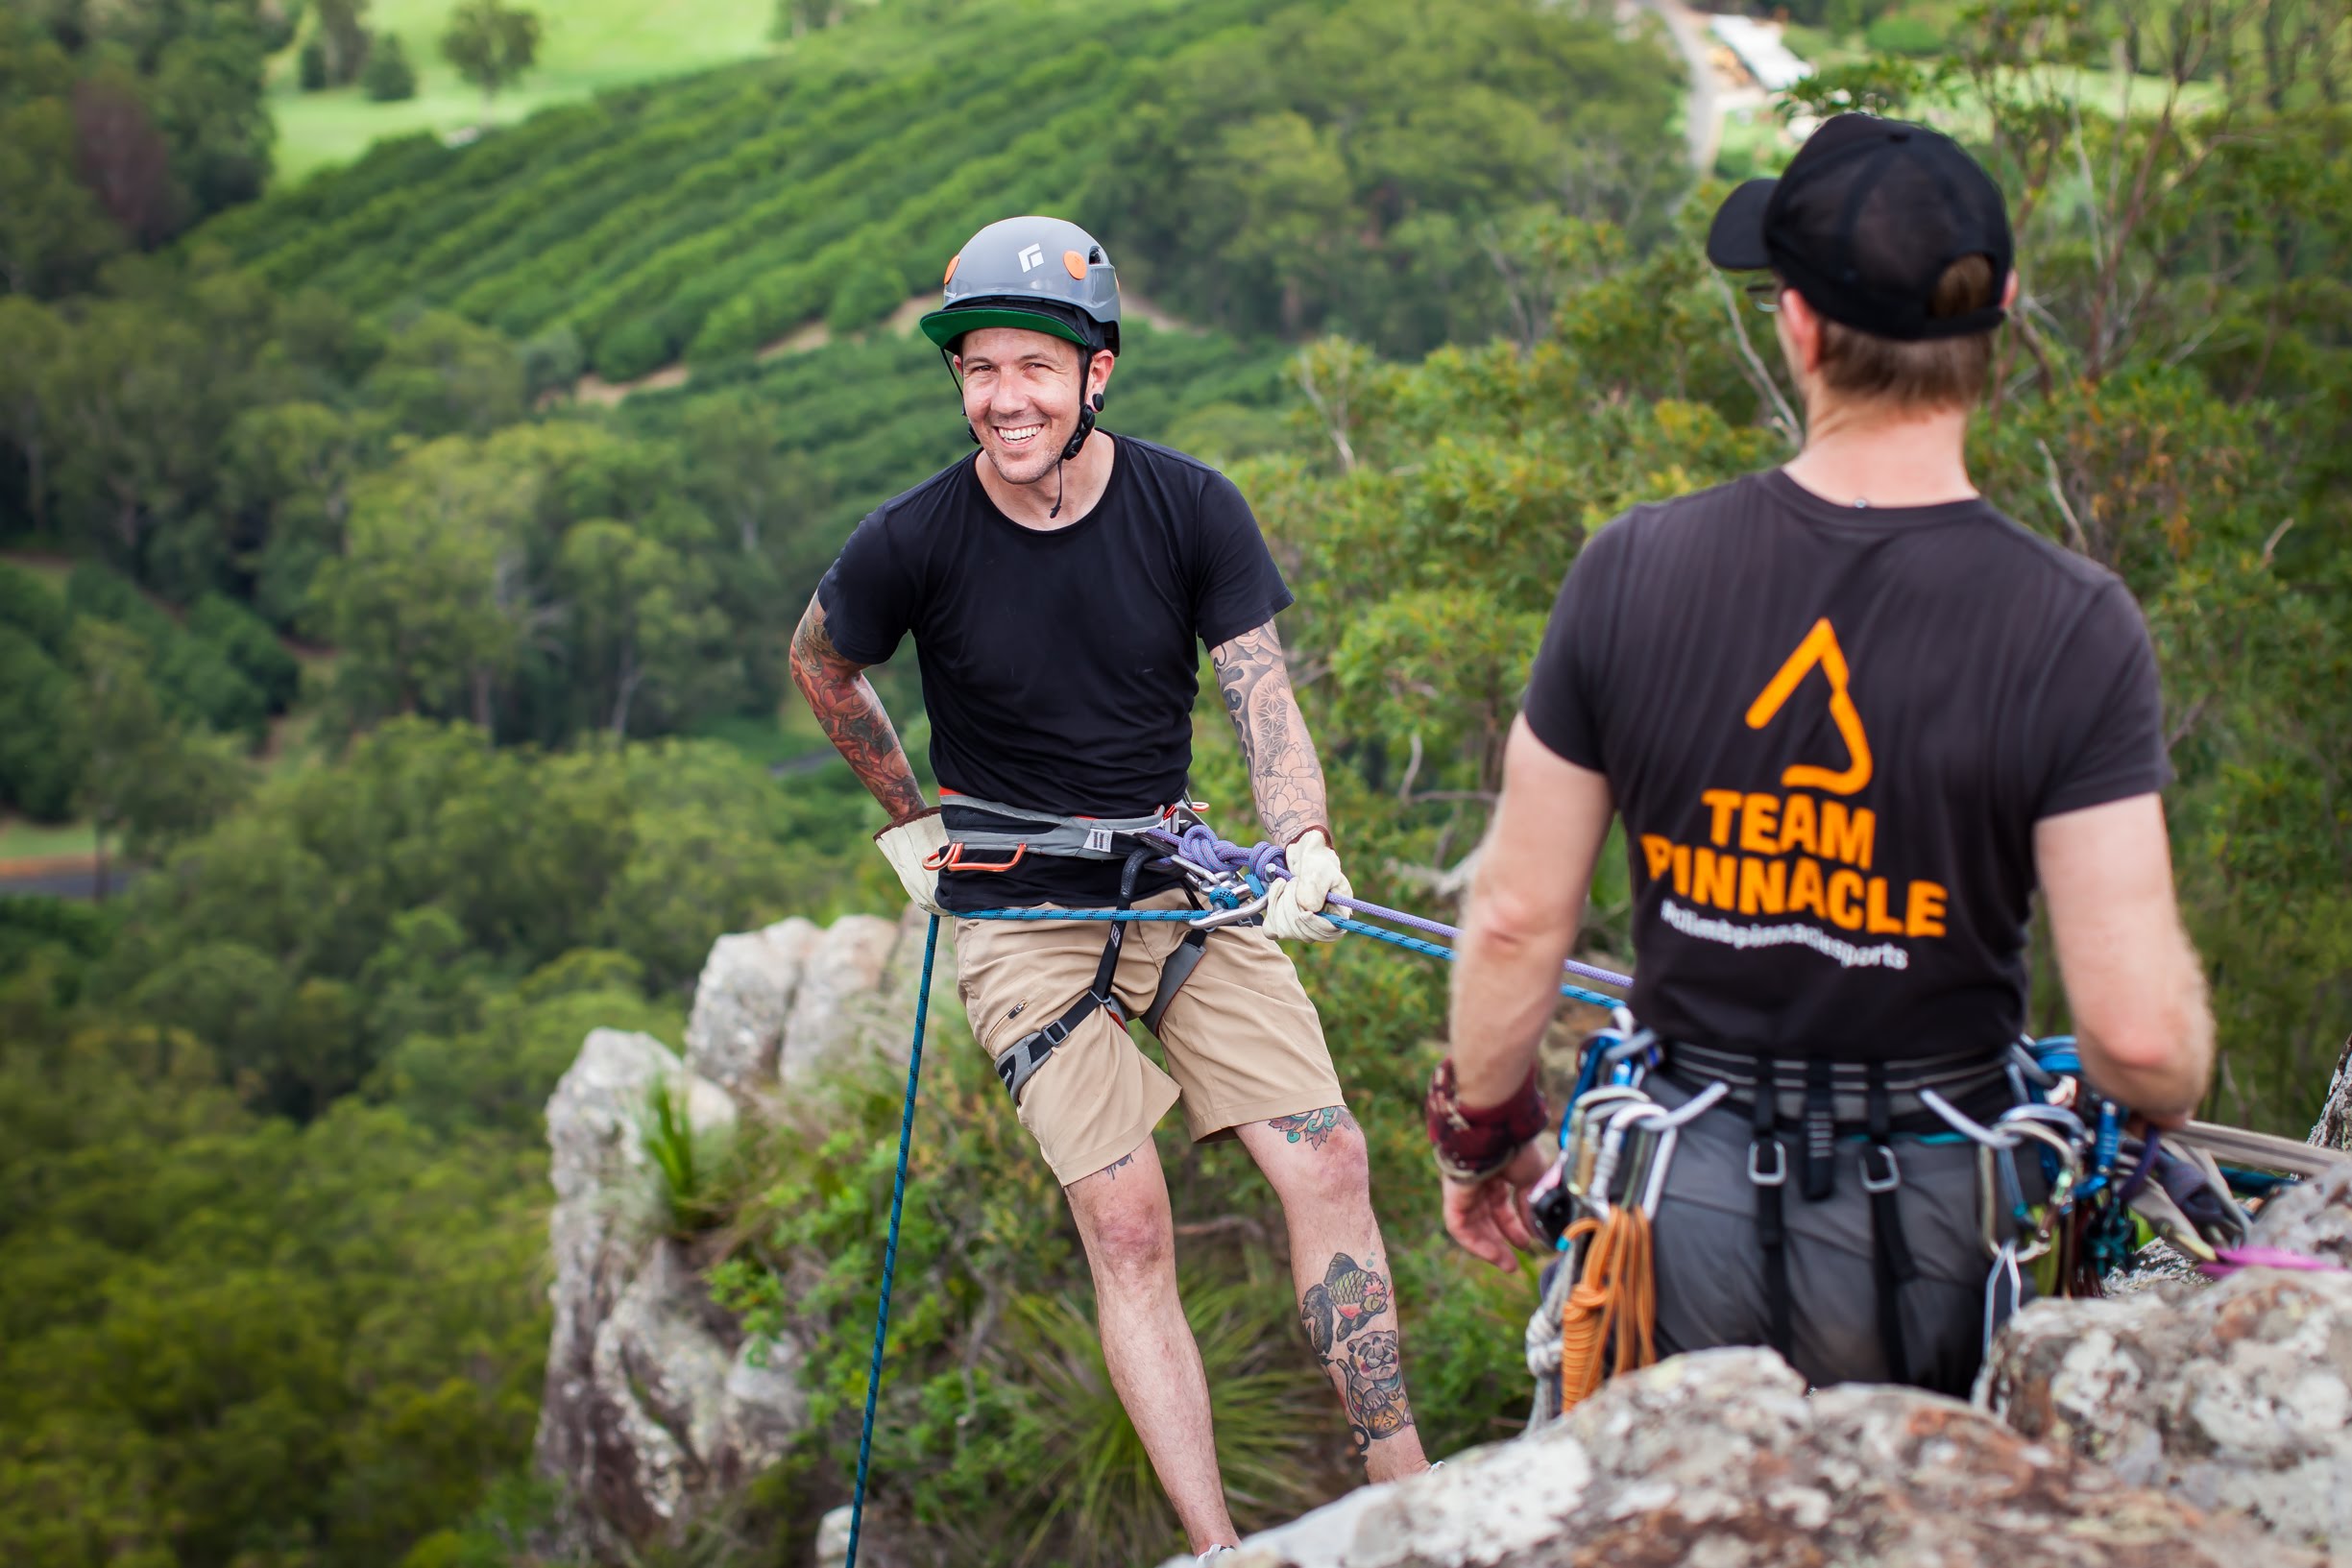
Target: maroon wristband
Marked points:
1473	1143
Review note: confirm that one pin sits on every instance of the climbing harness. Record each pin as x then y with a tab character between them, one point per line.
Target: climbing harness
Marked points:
2065	1196
978	828
1227	883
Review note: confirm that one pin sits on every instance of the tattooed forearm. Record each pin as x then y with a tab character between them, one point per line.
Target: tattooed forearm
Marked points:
1363	1361
1285	774
852	715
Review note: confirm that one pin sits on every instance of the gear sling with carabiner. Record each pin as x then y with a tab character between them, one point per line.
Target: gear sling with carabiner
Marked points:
1087	838
1804	1118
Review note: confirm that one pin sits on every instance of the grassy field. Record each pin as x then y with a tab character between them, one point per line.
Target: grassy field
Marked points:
23	841
585	45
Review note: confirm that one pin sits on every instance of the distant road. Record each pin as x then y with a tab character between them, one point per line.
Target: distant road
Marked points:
1703	114
62	875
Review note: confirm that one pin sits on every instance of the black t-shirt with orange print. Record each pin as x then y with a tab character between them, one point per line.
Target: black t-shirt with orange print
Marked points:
1831	730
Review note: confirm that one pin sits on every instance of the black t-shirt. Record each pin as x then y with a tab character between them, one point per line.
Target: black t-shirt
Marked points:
1831	730
1060	665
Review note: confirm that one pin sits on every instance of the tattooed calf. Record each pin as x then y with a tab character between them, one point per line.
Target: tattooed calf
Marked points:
1349	1298
1376	1397
1315	1127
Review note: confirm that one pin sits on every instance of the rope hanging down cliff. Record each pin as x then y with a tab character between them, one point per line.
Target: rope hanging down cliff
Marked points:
1235	880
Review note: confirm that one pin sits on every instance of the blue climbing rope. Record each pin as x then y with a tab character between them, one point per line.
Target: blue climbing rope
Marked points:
1414	944
906	1124
1358	928
889	1250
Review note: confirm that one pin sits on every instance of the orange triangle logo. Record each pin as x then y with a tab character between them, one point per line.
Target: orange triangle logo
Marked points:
1819	647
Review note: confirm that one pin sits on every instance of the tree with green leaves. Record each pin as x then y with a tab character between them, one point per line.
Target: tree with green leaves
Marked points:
429	601
491	43
388	77
798	19
642	617
345	44
53	232
146	783
32	341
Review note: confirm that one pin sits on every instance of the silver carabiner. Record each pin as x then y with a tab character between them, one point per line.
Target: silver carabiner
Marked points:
1235	916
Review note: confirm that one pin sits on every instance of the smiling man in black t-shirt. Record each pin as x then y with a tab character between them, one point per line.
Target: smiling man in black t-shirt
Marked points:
1059	583
1852	716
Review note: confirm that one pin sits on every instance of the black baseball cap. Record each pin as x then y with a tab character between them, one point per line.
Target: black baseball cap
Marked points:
1864	222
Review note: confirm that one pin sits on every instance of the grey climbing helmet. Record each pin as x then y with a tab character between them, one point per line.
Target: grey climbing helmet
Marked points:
1041	274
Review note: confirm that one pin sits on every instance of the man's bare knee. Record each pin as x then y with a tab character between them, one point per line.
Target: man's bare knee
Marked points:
1334	1171
1123	1217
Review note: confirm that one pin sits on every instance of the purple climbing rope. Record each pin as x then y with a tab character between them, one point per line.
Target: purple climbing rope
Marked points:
2228	1260
1199	847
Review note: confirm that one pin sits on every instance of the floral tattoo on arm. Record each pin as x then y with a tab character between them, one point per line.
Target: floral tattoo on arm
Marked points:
1285	774
852	715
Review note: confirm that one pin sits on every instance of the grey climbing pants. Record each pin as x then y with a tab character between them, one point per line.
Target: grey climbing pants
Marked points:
1711	1265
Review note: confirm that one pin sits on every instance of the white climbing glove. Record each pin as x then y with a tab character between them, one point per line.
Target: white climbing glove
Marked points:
1315	875
906	844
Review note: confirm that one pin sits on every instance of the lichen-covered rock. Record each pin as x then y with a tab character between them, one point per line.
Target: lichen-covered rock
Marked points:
644	1406
2239	1396
774	1008
875	1547
842	999
682	1411
2312	1217
1721	1459
654	1410
2334	1129
743	1002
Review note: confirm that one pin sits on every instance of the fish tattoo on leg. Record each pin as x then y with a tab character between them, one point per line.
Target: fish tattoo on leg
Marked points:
1349	1298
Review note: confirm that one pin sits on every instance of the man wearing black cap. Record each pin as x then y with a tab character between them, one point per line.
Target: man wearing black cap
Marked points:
1853	716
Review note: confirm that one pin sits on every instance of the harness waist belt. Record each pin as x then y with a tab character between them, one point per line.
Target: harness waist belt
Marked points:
1042	832
1803	1088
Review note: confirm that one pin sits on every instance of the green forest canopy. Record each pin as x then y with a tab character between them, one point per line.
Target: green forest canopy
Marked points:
224	1337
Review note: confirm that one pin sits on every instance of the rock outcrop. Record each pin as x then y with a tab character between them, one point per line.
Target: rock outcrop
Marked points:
774	1007
2235	1396
2182	1425
1721	1459
656	1408
2334	1129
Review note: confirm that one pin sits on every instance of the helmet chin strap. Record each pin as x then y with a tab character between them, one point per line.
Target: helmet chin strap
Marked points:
1087	407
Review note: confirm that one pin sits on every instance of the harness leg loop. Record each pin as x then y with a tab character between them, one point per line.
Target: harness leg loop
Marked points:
1768	1169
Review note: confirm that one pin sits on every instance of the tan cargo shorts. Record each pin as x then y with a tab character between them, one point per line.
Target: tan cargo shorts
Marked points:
1241	1040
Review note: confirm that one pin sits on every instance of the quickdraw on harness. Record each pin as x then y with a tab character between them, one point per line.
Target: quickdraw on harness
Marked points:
2065	1196
2104	1194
